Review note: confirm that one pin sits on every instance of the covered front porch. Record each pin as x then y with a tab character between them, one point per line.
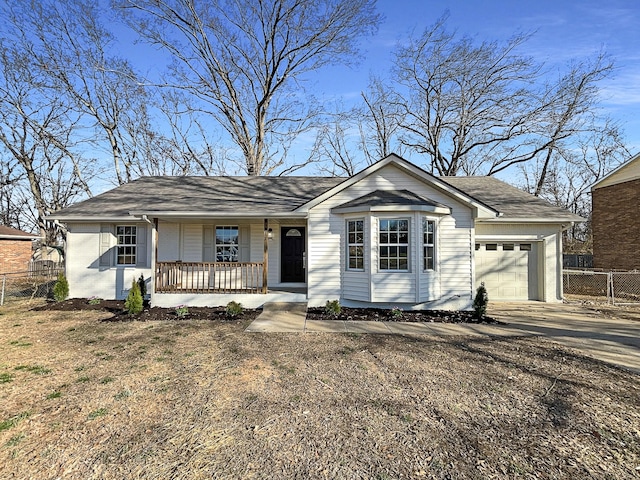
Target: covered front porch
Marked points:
204	262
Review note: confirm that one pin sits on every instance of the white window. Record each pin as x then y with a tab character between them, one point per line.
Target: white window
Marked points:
355	244
227	243
393	244
126	248
428	243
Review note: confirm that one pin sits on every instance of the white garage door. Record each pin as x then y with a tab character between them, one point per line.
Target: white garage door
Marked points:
508	270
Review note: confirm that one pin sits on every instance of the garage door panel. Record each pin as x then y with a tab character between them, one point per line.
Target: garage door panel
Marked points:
507	274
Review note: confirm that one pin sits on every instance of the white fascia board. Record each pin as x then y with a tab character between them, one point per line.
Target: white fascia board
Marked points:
20	237
620	167
536	220
212	214
93	218
394	208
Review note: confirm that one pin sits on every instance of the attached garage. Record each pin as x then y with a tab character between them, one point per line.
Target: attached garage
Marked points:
509	270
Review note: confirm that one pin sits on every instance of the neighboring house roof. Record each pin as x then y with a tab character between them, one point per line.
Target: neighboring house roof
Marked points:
204	197
391	199
510	201
628	171
8	233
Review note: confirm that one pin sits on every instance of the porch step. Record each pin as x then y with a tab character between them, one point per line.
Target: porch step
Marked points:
292	307
280	317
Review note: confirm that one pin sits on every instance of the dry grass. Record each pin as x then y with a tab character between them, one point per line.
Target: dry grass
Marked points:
85	399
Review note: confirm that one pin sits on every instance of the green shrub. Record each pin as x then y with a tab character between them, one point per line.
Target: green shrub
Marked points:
480	302
182	311
233	309
143	286
133	303
61	288
333	308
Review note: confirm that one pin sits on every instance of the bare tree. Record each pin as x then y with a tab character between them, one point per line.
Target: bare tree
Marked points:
571	170
379	120
70	45
333	149
35	135
480	108
245	60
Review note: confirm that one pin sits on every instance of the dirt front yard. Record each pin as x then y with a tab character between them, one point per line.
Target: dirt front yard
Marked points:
83	398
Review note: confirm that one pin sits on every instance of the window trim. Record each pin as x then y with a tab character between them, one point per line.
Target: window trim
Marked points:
397	244
355	244
426	245
226	245
134	245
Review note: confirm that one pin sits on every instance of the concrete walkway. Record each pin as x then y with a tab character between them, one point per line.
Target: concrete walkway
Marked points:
613	340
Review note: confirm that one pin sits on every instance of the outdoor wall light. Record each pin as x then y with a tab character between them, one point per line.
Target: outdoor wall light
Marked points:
270	234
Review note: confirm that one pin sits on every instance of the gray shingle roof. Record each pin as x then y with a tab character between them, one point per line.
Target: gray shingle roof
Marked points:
390	197
510	201
211	194
269	195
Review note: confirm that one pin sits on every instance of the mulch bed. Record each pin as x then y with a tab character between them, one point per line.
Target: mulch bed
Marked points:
381	315
117	308
120	314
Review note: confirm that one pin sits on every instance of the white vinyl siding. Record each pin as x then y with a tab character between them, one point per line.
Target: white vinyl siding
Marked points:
87	244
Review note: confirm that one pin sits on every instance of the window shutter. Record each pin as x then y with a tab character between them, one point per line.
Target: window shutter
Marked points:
106	256
141	246
244	235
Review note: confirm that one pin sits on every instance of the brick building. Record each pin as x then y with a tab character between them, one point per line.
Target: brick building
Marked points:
15	249
616	218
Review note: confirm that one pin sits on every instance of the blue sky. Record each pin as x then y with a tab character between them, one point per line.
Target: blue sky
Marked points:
564	30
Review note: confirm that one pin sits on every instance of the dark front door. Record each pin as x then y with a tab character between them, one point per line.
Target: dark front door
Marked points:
292	254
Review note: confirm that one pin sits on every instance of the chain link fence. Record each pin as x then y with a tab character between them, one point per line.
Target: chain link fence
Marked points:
36	283
617	288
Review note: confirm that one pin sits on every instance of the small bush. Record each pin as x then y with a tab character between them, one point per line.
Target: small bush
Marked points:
333	308
233	309
480	302
143	286
133	303
94	300
397	312
61	288
182	311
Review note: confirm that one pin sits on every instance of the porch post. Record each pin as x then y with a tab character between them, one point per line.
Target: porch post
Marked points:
265	256
154	260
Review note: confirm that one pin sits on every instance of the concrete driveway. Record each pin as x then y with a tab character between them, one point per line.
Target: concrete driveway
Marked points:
613	337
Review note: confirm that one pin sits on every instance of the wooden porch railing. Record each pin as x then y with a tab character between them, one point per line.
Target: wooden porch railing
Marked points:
217	277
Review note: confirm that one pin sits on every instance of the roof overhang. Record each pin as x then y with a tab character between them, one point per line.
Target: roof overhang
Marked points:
562	220
214	214
439	210
93	218
20	237
606	180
